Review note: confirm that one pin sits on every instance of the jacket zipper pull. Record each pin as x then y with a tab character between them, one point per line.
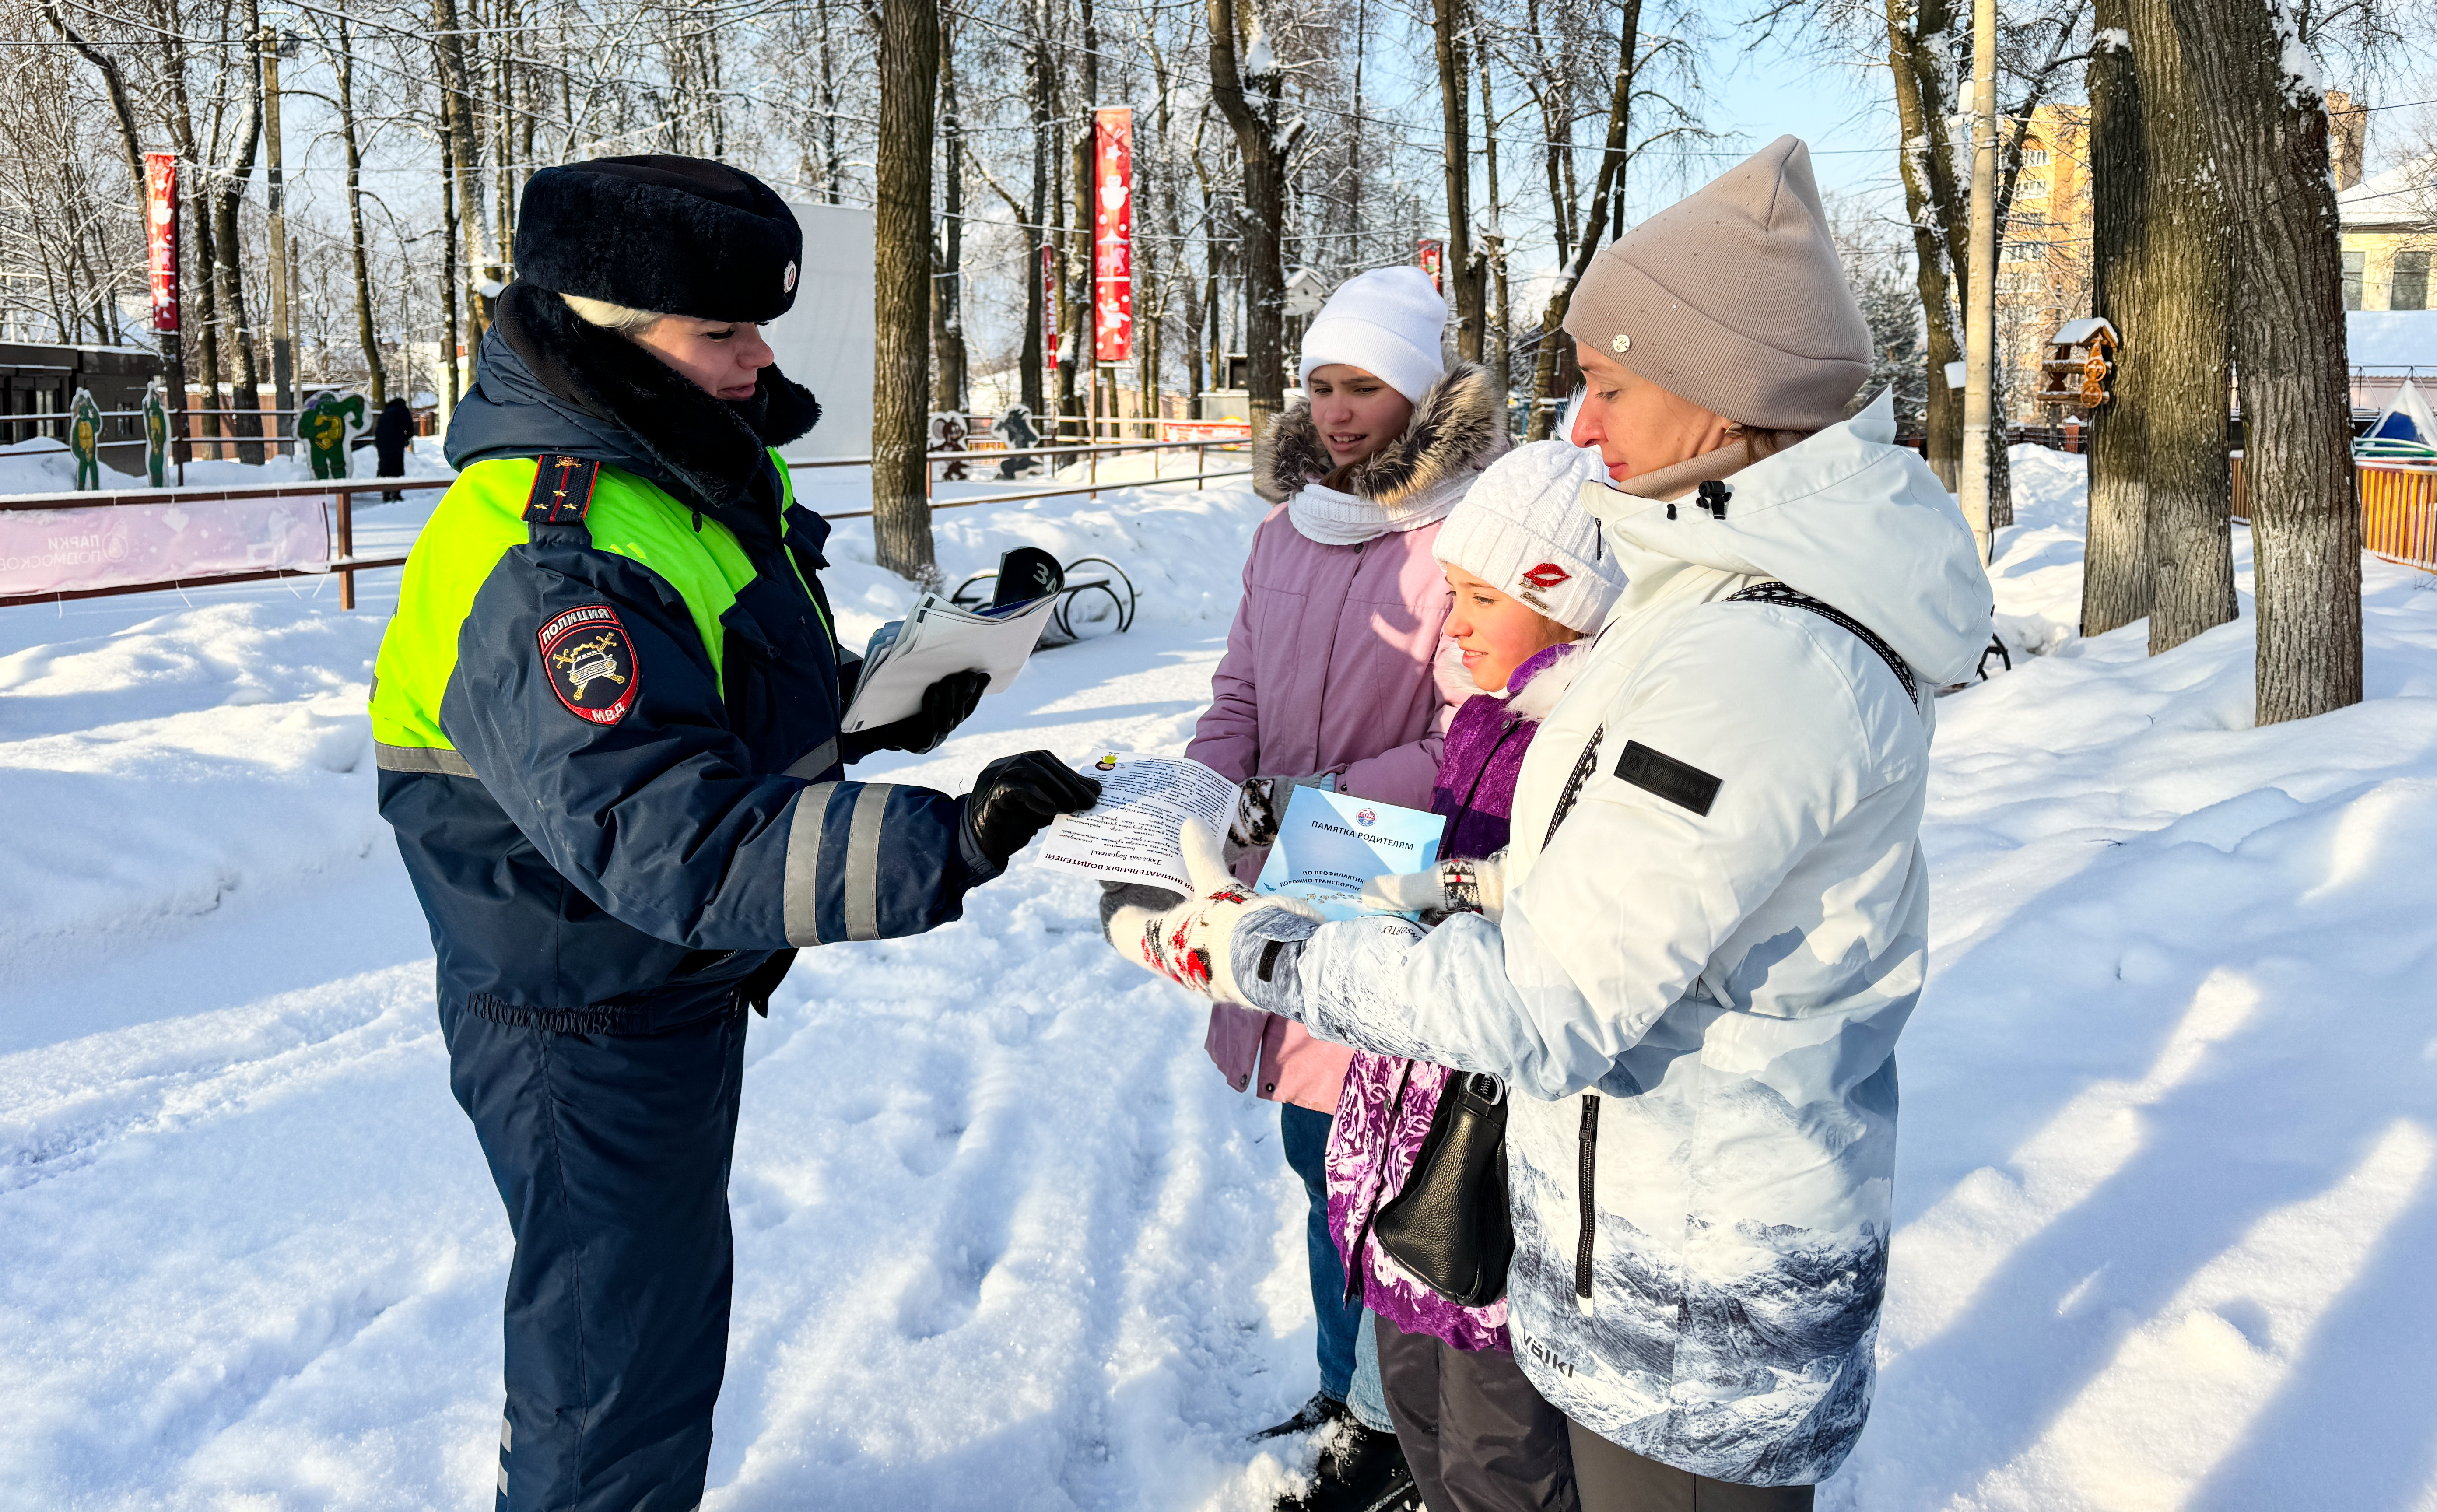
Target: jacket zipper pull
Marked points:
1589	1164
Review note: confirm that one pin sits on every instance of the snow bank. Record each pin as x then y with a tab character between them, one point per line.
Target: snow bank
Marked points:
1005	1240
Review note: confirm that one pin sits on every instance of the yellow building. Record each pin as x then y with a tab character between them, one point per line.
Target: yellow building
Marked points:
2043	261
2390	221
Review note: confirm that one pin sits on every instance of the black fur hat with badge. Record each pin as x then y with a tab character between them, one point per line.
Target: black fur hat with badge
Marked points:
676	236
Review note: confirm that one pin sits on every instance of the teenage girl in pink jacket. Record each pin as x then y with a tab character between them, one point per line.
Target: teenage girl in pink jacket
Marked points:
1331	677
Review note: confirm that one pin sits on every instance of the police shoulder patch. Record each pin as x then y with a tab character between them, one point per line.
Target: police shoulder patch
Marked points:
1679	783
589	661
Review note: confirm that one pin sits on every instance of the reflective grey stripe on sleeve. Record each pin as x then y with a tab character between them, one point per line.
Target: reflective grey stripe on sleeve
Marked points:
420	759
815	762
799	895
862	891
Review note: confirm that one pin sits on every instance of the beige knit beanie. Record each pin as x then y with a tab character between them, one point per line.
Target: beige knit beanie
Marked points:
1733	298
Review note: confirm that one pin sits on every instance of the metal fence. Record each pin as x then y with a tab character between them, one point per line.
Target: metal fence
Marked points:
339	496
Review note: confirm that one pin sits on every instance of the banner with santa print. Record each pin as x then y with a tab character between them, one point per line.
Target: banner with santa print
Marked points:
1433	261
1112	234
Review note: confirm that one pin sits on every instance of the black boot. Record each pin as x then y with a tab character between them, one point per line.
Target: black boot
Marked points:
1319	1412
1360	1470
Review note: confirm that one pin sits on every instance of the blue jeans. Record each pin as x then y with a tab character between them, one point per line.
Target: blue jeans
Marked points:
1347	1374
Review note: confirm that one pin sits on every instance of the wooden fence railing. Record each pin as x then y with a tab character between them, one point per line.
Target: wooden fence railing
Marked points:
2398	505
337	498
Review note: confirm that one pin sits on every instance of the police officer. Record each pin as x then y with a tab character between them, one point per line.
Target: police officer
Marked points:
608	722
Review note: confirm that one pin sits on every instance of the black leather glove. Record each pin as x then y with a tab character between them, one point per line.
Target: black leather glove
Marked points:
1016	796
946	704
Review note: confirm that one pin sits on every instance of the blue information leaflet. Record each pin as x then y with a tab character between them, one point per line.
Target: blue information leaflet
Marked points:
1332	843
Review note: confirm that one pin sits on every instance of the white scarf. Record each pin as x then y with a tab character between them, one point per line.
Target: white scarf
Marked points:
1335	518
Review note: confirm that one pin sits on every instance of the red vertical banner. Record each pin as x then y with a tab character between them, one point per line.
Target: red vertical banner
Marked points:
1050	307
1112	235
1433	260
160	236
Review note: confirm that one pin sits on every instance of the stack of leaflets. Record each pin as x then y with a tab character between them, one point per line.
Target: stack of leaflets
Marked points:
938	640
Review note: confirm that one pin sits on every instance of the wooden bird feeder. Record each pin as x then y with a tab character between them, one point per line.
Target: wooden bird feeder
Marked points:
2080	366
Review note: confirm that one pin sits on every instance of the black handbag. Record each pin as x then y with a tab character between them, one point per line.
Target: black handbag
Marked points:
1450	1225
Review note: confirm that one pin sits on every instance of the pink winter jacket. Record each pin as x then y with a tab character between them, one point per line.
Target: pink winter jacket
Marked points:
1331	667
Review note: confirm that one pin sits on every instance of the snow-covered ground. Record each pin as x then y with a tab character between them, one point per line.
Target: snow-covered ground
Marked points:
1006	1241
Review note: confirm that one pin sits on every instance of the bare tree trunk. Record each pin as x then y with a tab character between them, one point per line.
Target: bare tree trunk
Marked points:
831	172
1493	242
1926	162
2173	376
1554	125
1074	364
948	321
2268	138
466	166
366	336
199	252
909	70
1250	102
1545	363
1040	77
1447	21
2118	571
449	280
227	195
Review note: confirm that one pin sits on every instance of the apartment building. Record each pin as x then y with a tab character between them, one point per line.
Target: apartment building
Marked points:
2043	258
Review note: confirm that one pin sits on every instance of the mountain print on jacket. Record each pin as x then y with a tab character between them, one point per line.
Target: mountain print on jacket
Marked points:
1756	1367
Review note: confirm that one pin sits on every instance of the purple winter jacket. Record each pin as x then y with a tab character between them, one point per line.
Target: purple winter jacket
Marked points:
1385	1112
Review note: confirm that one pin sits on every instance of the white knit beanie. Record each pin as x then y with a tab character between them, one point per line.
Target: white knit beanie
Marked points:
1387	323
1521	528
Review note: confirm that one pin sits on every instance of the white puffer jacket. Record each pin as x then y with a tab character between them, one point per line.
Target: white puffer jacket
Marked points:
1696	988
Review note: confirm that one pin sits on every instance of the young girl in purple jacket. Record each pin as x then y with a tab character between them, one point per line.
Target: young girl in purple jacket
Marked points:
1529	578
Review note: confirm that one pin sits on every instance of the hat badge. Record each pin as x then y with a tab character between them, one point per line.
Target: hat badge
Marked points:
1546	577
789	280
1621	342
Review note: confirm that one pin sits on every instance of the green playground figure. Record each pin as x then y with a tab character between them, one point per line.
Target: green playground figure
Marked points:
84	440
328	428
156	434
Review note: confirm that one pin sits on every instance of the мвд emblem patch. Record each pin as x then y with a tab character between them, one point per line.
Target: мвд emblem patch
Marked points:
590	664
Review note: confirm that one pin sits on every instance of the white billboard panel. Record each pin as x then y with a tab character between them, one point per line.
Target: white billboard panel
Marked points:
824	342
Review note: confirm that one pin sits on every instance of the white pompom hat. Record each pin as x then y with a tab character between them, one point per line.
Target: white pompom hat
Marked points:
1387	323
1520	528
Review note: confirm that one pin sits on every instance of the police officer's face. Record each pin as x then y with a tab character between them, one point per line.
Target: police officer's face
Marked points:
722	357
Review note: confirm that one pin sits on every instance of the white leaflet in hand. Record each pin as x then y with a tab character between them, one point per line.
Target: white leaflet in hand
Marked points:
1131	834
938	640
1329	844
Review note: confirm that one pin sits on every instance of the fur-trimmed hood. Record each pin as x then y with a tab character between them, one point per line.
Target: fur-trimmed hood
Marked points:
1456	429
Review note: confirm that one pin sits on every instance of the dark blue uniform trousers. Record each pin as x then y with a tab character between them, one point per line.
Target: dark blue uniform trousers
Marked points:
611	1153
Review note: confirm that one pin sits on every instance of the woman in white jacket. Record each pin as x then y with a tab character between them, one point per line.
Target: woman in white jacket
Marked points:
1715	903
